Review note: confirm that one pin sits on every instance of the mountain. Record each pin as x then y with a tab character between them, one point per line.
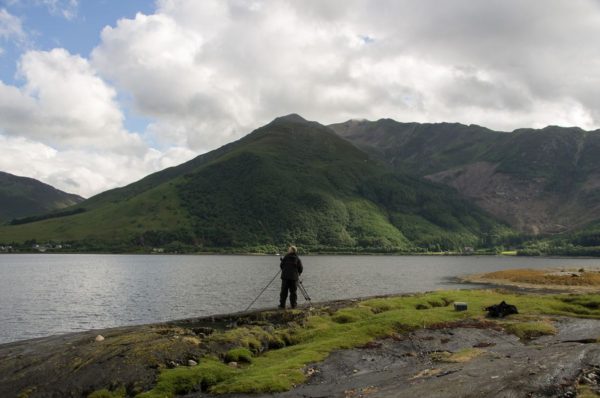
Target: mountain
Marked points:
542	181
289	181
24	197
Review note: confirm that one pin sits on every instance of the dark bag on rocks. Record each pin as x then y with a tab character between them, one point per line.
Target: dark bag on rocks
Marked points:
501	310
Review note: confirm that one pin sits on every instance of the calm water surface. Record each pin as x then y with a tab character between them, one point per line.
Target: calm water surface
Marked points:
45	294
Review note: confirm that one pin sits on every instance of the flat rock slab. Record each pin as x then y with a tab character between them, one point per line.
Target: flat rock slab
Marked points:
505	366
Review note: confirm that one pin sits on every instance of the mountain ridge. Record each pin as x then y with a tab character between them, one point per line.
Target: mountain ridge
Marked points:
25	197
291	180
542	181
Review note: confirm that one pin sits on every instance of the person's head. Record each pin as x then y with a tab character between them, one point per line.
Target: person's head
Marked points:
292	249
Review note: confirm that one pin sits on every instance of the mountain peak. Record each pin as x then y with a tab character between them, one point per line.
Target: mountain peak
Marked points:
292	117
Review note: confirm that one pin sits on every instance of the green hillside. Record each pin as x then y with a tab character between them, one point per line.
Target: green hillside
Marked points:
289	181
24	197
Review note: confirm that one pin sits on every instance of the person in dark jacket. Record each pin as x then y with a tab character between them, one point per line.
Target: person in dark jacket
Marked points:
291	268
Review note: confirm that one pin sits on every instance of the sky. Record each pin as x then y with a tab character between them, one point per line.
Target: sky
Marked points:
96	94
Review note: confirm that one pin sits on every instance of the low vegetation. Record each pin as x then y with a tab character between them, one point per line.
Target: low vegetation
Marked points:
529	330
464	355
544	278
273	358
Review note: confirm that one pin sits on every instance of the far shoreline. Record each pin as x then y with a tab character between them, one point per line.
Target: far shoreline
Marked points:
333	254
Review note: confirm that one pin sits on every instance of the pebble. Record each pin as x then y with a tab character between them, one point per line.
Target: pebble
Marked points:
99	338
191	362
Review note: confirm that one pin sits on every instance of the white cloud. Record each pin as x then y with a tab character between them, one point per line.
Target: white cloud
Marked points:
207	72
82	171
63	103
65	127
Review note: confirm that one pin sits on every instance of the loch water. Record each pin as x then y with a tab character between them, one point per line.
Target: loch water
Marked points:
47	294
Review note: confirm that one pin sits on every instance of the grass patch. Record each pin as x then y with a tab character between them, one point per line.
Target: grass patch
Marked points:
349	315
239	355
186	379
546	278
530	330
104	393
462	356
311	340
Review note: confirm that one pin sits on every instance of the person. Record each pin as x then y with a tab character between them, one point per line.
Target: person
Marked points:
291	268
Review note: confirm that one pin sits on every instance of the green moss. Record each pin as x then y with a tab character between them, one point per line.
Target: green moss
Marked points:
378	305
184	379
26	393
254	338
238	355
104	393
585	391
348	315
320	334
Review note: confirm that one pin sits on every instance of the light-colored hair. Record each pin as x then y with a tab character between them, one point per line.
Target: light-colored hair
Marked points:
292	249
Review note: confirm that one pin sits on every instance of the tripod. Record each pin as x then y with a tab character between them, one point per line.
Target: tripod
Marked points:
304	292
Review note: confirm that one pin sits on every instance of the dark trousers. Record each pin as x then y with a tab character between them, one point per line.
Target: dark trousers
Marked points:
292	286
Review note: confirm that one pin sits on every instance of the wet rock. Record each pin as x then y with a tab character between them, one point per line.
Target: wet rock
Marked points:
99	338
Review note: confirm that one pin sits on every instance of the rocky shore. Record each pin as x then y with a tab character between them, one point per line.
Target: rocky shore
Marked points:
403	346
462	360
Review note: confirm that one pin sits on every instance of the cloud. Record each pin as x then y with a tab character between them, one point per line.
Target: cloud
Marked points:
11	27
66	8
82	171
63	103
64	125
207	72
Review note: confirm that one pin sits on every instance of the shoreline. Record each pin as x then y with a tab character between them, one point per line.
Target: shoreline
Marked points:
333	254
